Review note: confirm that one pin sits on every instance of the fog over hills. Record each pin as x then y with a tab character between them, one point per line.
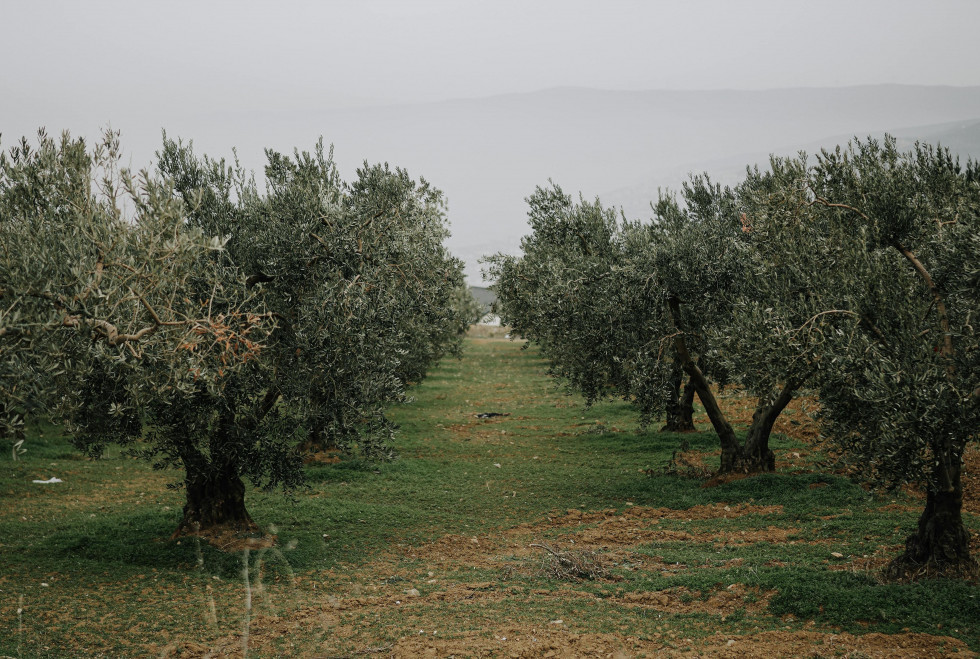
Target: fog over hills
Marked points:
961	137
488	154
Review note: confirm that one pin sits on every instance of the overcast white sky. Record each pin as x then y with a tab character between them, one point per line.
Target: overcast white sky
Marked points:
252	73
110	55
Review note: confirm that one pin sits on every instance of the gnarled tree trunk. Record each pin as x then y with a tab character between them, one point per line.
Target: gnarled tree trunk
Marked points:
755	454
730	448
215	497
941	545
680	411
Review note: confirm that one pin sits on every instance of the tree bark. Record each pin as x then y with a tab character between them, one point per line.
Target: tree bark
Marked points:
680	411
756	455
730	448
686	409
215	501
215	497
940	547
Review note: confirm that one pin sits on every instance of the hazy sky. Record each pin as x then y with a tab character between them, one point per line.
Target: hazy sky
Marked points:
279	73
103	56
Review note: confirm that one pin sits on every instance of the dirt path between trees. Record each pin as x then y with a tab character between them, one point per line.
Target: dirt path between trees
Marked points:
490	595
612	536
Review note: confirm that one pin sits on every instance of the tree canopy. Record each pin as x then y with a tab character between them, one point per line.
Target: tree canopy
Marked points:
852	274
208	326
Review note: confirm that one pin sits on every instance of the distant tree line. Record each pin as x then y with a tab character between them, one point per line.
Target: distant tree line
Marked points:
852	275
211	326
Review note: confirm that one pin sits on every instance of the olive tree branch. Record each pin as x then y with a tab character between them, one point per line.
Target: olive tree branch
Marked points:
107	329
817	199
96	278
947	349
153	313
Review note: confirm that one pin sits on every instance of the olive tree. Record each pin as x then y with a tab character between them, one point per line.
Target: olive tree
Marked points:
566	294
365	295
130	314
769	255
697	266
363	291
632	308
900	389
212	328
736	273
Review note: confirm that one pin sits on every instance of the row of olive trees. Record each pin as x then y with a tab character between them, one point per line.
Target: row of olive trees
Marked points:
853	275
209	326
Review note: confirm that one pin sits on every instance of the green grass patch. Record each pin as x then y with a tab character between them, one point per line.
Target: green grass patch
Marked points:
91	566
856	603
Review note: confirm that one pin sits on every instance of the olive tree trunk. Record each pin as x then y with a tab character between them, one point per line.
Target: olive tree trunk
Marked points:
680	410
215	497
940	547
730	448
755	454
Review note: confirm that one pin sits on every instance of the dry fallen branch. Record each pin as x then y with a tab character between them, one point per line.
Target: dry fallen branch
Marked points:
571	565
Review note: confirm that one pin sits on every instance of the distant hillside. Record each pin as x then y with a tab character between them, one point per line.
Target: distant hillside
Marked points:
488	154
962	138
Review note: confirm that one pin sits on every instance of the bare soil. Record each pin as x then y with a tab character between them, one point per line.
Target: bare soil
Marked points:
613	538
611	535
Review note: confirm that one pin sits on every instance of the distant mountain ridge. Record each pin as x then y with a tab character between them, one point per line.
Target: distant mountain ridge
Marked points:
624	145
488	154
962	138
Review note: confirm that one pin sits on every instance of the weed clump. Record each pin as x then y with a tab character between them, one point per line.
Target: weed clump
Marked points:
686	464
571	565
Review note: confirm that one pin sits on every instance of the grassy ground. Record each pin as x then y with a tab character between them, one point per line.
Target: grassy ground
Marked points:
446	550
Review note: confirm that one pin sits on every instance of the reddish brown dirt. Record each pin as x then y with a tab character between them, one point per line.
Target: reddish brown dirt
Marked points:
340	620
522	642
556	640
518	642
322	457
343	621
609	532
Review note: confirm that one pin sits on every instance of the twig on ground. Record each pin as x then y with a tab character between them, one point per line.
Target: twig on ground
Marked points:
571	565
